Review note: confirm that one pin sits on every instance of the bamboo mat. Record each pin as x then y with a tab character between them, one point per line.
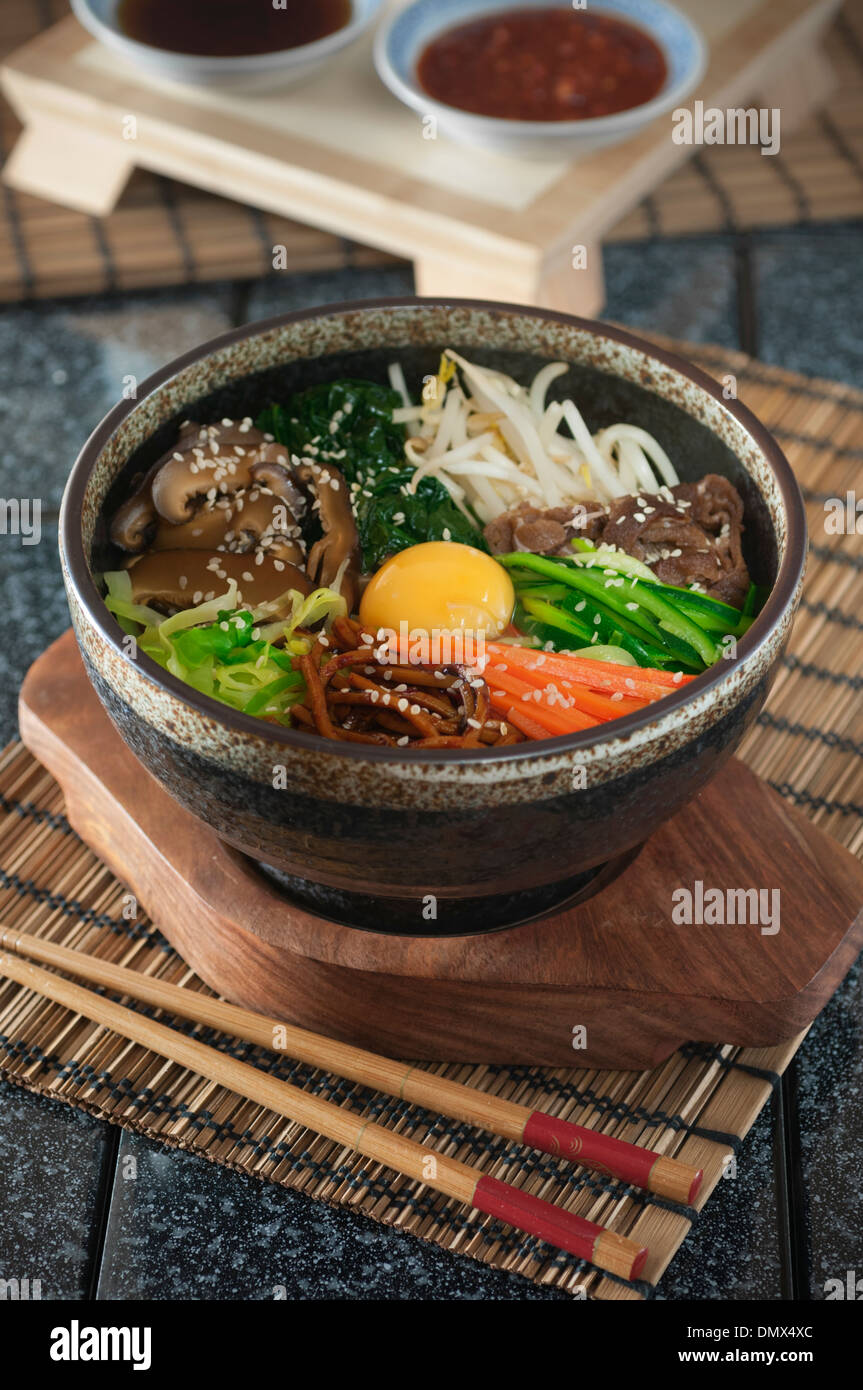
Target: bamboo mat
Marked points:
165	233
699	1104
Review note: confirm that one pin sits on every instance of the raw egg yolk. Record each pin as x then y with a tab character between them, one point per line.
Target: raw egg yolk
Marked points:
439	586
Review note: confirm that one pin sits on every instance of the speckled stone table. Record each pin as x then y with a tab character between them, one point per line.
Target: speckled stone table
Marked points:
94	1212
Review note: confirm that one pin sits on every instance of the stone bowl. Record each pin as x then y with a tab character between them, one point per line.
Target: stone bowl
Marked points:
369	836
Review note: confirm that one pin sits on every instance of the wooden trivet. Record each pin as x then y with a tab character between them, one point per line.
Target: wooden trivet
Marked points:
614	980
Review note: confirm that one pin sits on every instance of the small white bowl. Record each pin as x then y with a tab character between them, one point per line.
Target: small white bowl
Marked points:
253	72
402	39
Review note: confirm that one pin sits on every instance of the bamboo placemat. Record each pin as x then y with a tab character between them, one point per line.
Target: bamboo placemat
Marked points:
165	233
699	1104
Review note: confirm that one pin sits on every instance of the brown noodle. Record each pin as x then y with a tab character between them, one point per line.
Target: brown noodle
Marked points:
354	695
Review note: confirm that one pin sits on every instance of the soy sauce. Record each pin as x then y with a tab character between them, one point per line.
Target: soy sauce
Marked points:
230	28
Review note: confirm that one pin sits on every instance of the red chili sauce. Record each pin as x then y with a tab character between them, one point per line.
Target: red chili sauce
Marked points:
542	65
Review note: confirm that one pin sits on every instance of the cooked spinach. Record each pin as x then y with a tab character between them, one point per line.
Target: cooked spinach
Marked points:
350	424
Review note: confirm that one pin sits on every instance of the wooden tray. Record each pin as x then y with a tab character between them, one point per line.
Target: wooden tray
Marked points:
343	155
615	965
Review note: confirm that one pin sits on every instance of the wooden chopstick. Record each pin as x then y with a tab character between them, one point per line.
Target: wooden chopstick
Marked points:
667	1177
606	1249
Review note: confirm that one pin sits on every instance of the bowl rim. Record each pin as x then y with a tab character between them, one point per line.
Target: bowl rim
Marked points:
632	117
781	598
250	63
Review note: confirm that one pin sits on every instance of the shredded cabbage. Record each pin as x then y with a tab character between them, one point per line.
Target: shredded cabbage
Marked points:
226	652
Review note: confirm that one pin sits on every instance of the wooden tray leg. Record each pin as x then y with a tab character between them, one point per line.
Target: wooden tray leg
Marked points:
574	287
59	161
800	88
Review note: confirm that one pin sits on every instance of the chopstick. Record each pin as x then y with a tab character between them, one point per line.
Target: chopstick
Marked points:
606	1249
666	1177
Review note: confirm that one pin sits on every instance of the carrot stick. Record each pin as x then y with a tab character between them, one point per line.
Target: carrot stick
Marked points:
526	725
568	722
531	664
559	719
602	706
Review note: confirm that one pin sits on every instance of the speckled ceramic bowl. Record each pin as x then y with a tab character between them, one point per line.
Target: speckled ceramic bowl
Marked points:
365	834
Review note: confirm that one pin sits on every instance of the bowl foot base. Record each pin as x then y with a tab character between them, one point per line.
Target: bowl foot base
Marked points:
463	916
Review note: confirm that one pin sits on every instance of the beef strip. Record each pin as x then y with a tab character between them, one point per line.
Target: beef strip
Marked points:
544	531
690	536
694	539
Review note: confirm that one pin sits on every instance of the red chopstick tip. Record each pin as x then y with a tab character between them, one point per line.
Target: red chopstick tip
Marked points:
695	1186
639	1262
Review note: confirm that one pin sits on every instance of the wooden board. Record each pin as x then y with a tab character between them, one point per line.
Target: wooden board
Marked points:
346	157
615	965
163	232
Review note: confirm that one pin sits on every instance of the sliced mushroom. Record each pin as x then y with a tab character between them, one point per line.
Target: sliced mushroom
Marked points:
272	471
339	547
246	520
173	579
225	502
206	461
132	523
